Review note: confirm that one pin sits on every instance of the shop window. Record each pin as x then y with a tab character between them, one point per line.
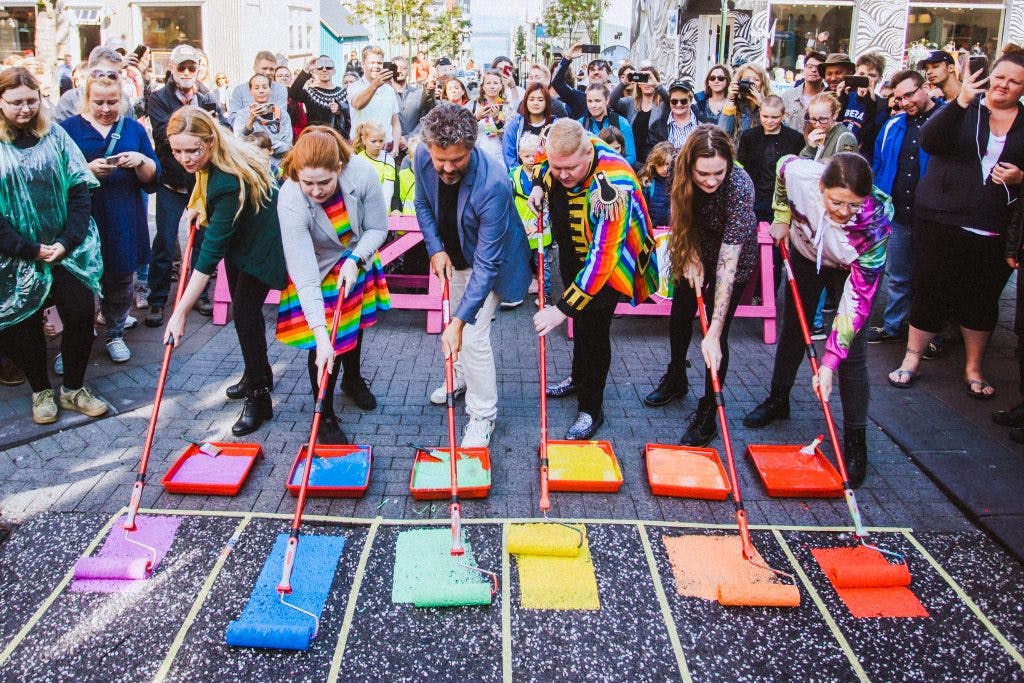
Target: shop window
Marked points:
164	28
801	28
974	29
17	30
300	22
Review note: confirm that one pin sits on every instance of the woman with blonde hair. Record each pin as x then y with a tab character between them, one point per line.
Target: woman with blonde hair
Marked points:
644	109
235	199
746	92
333	219
713	231
492	110
49	247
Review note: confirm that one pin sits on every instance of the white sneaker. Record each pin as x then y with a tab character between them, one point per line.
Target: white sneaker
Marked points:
440	395
478	433
118	350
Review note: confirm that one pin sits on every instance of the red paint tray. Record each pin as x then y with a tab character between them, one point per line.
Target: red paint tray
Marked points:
338	471
788	473
195	472
430	477
583	466
686	472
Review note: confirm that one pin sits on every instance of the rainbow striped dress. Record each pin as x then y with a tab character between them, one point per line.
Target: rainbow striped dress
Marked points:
369	294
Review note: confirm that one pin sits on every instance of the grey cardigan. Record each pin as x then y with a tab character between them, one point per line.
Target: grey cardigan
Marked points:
311	246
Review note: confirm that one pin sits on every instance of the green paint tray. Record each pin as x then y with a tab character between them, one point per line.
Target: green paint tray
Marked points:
431	480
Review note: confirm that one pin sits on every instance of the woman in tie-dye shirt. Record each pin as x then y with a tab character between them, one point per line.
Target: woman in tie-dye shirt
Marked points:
837	226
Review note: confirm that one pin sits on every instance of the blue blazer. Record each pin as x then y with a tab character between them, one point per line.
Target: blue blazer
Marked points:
491	233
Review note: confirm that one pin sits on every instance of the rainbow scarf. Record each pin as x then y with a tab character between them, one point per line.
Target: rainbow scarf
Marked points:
359	310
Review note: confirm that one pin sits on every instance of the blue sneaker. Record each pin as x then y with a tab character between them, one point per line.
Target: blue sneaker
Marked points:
58	364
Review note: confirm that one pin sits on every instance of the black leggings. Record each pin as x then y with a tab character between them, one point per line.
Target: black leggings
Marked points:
25	343
854	391
348	362
247	297
680	328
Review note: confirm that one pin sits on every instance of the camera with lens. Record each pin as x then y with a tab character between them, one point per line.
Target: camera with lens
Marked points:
745	87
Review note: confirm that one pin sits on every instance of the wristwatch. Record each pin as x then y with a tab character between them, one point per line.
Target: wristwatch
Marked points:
360	261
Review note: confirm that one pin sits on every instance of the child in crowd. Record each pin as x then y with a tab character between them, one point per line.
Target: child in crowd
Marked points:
614	137
407	179
522	185
656	181
262	140
369	143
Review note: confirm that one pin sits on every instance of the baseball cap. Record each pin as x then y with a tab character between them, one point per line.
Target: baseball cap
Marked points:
443	61
184	53
683	85
934	57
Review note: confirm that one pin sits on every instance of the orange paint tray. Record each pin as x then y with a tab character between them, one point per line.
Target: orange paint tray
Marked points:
224	474
430	478
338	471
787	473
583	466
686	472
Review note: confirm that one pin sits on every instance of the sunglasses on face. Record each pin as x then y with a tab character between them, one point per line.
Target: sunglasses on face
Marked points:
325	67
680	102
716	78
182	68
100	73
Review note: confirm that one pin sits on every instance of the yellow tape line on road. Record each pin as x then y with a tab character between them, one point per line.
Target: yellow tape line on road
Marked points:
666	610
506	608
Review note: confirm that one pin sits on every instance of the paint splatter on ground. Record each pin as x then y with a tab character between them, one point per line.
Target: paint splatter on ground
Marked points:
433	474
895	601
346	471
206	469
558	583
583	462
154	531
700	563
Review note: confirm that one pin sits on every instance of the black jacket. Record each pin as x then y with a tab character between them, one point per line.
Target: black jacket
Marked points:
952	190
162	103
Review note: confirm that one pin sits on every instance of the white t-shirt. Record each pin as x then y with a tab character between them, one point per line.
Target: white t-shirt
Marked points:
381	108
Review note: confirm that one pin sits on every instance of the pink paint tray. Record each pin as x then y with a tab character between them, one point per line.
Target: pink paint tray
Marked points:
686	472
212	475
430	478
583	466
338	471
788	473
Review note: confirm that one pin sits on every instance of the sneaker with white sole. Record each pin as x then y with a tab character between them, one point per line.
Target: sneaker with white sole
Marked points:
82	401
131	322
142	298
44	408
440	395
118	350
478	433
58	364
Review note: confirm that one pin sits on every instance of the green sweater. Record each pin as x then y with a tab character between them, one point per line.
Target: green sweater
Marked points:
252	243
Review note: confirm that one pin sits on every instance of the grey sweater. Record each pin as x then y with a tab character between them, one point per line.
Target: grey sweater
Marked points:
311	246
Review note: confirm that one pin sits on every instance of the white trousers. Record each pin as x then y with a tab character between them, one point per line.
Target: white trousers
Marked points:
475	364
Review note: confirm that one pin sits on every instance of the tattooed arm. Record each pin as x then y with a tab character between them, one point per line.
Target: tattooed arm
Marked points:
725	277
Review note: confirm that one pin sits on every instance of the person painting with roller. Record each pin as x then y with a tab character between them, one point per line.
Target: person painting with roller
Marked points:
838	225
605	239
475	239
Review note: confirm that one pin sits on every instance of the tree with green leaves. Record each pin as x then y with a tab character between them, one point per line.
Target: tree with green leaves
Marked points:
405	22
448	31
520	43
573	21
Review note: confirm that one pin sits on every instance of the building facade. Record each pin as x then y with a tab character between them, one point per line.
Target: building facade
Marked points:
681	37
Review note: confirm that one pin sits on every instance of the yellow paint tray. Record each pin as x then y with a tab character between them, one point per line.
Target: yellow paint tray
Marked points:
583	466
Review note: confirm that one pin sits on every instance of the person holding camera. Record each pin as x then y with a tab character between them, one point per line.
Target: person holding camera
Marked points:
264	116
863	111
492	110
370	101
745	95
599	72
326	104
644	109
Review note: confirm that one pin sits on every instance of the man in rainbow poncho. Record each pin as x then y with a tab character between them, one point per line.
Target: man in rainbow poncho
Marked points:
599	219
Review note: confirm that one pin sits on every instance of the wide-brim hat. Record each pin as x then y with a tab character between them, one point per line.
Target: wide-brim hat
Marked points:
836	59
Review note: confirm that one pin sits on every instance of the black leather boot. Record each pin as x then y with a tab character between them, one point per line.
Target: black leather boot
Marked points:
673	385
241	387
855	453
703	427
331	432
775	407
257	409
357	389
1011	417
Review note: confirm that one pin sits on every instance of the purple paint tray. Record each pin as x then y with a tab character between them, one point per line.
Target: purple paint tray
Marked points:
212	475
338	471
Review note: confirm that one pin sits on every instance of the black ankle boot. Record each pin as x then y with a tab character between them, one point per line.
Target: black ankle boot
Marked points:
1011	417
673	385
775	407
357	389
330	432
257	409
855	453
703	427
241	387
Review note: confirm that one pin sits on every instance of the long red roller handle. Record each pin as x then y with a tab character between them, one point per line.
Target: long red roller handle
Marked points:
449	384
285	585
147	448
545	500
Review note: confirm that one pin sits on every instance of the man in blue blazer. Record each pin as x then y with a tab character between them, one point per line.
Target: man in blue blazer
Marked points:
475	239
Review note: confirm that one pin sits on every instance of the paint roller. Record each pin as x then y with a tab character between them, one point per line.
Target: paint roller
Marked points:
758	595
112	568
452	595
552	539
269	635
870	576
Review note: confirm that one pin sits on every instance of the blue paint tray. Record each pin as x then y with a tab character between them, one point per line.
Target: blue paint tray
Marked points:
267	623
338	471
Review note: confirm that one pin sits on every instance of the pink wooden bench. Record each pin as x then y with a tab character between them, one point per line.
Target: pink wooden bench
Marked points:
429	301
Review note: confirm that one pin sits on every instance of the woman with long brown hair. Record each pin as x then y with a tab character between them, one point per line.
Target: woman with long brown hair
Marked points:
713	231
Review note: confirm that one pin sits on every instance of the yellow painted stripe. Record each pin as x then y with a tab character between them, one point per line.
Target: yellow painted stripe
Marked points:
966	599
844	644
506	608
666	610
55	593
197	604
350	606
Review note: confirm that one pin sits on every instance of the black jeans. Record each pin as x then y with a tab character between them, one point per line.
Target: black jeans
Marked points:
25	343
592	352
247	297
680	328
347	362
854	391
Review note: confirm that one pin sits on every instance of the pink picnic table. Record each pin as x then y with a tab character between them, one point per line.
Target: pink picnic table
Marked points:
430	301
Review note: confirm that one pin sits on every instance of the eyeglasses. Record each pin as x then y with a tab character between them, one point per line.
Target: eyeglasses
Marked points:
674	102
819	120
21	104
100	73
852	206
904	98
188	153
717	78
323	68
181	68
